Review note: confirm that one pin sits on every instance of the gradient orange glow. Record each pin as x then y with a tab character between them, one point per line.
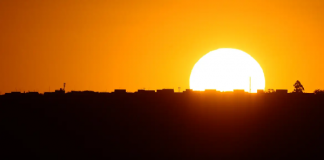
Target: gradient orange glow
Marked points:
104	45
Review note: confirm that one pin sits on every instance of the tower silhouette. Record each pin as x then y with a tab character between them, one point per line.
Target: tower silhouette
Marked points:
250	84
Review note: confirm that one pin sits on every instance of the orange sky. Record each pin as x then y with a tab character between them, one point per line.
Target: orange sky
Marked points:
101	45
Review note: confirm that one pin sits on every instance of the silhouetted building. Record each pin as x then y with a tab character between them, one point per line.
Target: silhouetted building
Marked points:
211	91
61	91
13	93
260	91
119	91
188	91
142	91
165	91
281	91
87	92
75	93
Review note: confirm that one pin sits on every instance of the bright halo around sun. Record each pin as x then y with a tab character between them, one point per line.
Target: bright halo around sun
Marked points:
225	70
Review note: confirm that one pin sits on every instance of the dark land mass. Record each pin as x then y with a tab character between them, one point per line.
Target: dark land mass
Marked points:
147	125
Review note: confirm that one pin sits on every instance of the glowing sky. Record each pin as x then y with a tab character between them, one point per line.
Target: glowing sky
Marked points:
106	44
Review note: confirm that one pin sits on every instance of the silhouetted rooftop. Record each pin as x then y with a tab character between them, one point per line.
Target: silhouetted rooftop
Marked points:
120	91
281	91
241	91
211	90
165	91
145	91
32	93
260	91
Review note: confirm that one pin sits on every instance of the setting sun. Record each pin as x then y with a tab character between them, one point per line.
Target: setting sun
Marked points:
225	70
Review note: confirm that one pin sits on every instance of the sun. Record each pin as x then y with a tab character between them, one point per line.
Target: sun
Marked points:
227	69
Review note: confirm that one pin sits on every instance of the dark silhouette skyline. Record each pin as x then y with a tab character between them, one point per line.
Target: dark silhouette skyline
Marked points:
120	91
162	124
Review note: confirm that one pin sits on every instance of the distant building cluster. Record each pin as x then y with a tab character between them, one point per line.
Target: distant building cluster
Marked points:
61	91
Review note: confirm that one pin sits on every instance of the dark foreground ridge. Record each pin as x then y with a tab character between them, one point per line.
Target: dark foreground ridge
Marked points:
161	125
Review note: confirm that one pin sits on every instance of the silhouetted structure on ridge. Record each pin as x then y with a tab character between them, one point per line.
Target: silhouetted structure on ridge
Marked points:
120	91
142	91
211	91
260	91
61	90
281	91
13	93
165	91
239	91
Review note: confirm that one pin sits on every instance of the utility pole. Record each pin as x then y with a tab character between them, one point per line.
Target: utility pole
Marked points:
250	85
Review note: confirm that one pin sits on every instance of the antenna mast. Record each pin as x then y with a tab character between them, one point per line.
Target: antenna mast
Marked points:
250	85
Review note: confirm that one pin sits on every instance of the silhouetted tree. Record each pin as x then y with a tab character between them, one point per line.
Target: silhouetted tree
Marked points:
271	91
319	91
299	88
